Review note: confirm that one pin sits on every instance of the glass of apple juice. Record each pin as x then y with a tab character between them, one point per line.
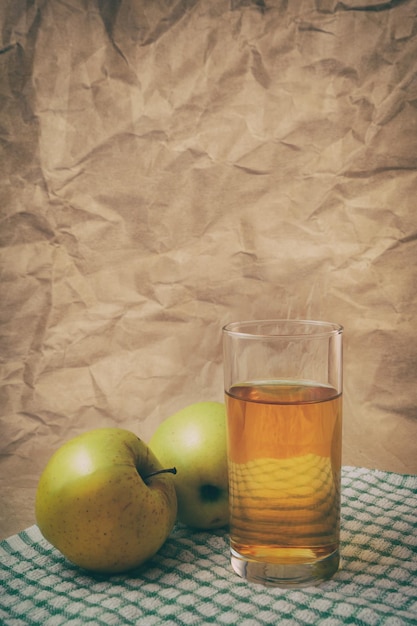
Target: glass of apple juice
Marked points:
283	395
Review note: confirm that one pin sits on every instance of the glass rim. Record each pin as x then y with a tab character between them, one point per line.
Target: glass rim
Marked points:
240	329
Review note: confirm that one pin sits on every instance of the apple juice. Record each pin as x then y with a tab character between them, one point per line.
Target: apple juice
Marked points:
284	447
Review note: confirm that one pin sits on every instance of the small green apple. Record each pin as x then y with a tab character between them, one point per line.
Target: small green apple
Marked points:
105	501
194	441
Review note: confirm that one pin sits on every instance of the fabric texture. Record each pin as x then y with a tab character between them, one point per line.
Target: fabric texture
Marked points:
190	580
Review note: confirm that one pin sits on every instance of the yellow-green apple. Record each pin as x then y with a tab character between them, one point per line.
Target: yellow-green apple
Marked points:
105	501
194	441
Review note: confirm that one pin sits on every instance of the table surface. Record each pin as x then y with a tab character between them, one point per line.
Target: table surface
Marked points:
190	580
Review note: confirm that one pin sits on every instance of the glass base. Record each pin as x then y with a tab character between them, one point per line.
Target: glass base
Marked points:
286	575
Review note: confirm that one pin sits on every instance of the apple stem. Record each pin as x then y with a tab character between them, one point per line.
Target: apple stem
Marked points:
171	470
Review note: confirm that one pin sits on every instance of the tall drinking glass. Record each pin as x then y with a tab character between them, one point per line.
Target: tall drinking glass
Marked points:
283	394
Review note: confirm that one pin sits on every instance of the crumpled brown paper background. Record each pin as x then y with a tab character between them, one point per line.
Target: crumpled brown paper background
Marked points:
169	166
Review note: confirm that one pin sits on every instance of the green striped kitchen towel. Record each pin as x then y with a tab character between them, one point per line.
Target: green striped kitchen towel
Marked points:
190	580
